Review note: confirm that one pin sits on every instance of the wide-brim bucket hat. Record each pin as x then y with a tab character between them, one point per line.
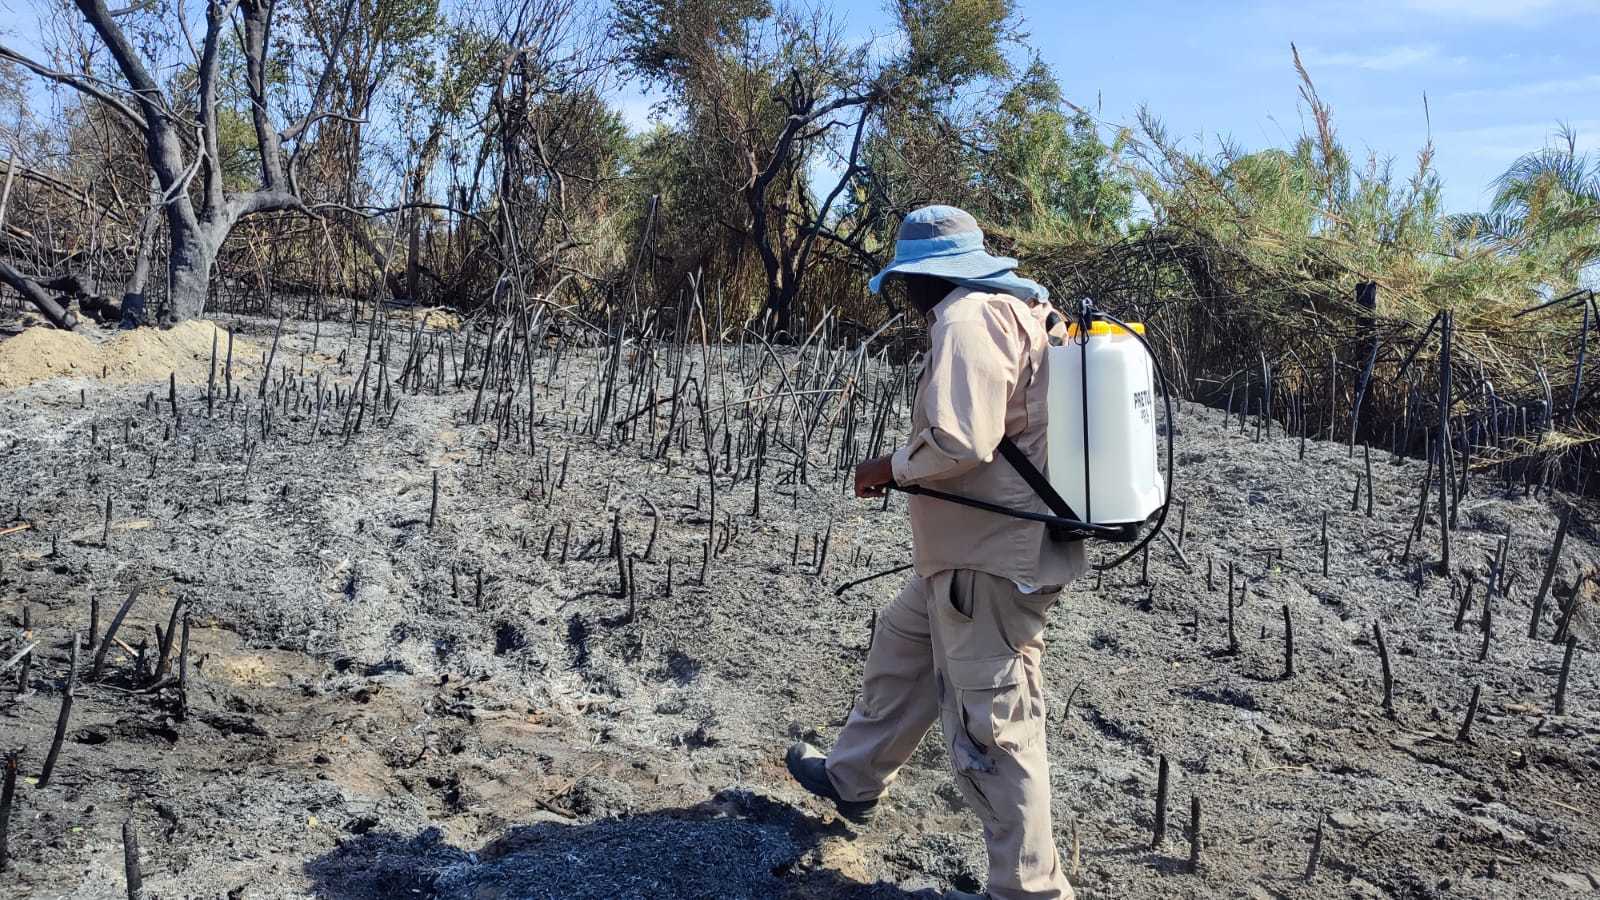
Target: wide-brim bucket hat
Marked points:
944	241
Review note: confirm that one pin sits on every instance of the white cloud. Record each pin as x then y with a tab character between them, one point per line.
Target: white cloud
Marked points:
1502	10
1404	56
1507	142
1555	87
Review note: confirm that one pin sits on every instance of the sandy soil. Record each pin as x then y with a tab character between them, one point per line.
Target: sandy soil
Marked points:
378	708
139	356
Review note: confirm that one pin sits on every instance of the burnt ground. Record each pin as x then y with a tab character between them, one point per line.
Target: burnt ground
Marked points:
377	708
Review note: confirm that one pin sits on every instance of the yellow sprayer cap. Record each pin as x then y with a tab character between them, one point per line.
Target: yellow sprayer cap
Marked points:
1104	328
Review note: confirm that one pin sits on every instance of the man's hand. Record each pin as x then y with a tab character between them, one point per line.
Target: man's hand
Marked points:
872	477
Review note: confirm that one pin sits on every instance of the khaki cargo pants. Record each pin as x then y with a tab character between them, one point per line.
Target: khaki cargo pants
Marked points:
964	646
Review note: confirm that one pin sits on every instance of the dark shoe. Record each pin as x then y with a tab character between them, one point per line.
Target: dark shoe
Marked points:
809	767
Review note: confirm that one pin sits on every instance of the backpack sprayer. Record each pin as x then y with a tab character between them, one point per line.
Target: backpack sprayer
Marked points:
1100	439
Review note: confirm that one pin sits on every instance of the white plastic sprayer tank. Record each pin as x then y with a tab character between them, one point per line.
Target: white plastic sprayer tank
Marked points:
1125	481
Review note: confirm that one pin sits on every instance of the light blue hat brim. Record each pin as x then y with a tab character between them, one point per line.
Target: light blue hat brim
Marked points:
959	256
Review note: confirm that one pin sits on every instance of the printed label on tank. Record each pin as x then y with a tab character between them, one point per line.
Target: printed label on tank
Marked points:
1143	405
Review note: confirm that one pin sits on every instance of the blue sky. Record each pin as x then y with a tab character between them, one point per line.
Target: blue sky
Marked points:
1500	76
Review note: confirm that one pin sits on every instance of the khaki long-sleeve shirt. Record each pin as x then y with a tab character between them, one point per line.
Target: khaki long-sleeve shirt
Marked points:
983	378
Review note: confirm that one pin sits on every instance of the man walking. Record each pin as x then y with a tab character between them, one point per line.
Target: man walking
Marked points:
963	640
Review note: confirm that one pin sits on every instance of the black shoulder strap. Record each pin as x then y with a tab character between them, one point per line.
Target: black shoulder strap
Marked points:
1035	479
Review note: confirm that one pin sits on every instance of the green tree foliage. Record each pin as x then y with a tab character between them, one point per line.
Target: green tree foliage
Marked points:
1547	202
666	41
953	43
1046	170
765	93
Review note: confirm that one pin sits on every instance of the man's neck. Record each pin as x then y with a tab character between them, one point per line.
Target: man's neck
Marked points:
926	293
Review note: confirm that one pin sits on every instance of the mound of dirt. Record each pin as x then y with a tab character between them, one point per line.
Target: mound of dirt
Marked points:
437	318
144	354
441	319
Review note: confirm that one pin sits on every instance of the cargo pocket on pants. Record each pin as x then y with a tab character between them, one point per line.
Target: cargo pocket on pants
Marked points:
986	703
990	703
